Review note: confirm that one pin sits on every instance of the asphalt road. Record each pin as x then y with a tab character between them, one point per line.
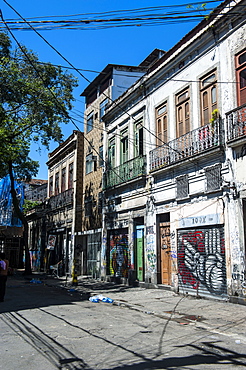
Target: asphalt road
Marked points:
50	326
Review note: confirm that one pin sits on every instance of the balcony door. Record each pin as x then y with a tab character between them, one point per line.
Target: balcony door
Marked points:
161	124
183	113
241	77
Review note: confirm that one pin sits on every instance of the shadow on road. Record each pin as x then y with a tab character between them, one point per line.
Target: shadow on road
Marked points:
22	294
207	354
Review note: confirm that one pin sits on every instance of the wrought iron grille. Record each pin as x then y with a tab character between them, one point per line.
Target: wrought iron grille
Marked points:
182	186
125	172
61	200
188	145
236	123
213	177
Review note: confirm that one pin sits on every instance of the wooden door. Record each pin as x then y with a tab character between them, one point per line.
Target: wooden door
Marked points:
165	255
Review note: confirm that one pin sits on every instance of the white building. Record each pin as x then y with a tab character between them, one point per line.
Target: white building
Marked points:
175	185
112	82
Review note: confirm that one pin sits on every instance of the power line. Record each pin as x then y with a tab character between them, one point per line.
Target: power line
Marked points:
193	12
78	71
145	128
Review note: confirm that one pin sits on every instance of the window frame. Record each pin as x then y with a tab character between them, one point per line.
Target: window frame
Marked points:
100	160
102	108
57	183
239	68
89	164
51	186
70	175
182	101
90	117
124	147
161	121
63	179
111	153
138	143
206	112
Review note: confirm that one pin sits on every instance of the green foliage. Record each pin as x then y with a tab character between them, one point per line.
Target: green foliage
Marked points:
215	116
198	8
29	204
34	100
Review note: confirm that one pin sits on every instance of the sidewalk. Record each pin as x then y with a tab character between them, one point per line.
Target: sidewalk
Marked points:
215	316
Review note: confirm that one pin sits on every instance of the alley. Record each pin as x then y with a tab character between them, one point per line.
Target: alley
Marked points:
53	325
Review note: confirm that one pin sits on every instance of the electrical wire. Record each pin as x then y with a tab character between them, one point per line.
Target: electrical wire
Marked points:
123	21
78	71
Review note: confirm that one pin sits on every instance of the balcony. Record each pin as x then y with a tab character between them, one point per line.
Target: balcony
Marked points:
61	200
236	123
127	171
193	143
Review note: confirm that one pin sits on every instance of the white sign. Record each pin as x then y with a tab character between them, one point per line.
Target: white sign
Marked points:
212	219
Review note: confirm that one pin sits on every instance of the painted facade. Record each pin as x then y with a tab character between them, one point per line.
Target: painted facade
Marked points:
112	82
64	204
175	152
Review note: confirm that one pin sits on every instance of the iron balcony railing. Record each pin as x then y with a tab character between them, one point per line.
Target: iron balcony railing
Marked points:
193	143
236	123
125	172
61	200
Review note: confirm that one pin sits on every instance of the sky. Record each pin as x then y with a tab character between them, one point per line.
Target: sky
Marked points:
91	49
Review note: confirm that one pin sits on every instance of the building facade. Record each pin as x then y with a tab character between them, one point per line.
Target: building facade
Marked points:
174	185
64	204
112	82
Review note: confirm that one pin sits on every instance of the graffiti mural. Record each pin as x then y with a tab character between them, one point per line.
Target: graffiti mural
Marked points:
119	255
150	254
201	260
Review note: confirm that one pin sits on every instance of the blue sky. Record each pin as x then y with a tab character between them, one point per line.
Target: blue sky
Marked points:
91	49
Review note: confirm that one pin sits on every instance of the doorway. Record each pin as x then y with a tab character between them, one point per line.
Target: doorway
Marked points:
164	249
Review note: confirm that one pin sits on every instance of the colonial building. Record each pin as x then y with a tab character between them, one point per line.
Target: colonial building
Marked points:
64	204
112	82
36	190
175	185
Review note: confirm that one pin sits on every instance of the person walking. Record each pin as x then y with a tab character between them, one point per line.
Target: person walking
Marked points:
4	265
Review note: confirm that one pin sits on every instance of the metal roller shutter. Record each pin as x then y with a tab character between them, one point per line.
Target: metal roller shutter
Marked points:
201	261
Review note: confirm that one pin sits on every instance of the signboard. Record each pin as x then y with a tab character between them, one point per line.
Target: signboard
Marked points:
210	219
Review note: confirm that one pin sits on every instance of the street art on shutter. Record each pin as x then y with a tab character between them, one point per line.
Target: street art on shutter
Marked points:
201	260
119	255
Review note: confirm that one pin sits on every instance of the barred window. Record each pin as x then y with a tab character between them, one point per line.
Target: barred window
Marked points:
213	177
182	186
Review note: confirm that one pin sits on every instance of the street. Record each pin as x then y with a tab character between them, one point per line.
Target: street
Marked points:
53	325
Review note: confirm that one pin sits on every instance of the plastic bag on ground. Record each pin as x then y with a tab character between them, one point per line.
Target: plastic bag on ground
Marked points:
100	297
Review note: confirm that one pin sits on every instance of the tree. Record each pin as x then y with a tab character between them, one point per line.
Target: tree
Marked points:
34	101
